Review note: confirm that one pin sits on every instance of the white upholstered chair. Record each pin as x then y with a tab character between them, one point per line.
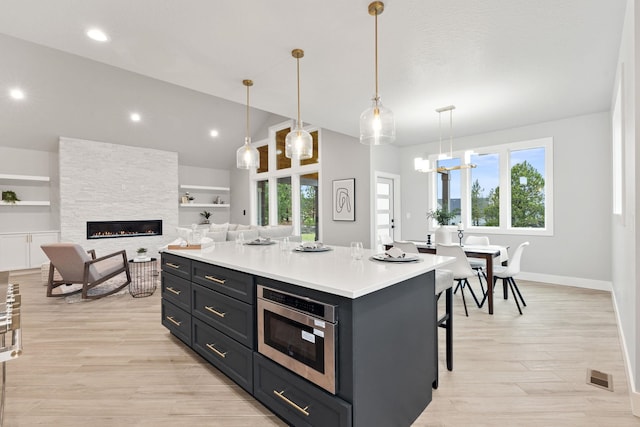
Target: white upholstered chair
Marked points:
444	283
507	273
461	270
478	265
77	266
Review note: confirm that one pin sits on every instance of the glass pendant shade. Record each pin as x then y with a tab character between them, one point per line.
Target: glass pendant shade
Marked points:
247	156
377	125
298	144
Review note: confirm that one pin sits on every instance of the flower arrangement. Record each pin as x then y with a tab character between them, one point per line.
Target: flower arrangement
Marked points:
442	216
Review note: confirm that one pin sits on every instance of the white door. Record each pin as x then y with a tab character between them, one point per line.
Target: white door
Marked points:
385	218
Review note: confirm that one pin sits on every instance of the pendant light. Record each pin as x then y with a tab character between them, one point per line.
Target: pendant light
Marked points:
377	125
298	144
423	165
247	156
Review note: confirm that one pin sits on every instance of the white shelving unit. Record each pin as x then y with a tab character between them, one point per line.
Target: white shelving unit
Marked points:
204	189
22	180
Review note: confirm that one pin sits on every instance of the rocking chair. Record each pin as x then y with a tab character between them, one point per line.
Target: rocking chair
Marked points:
75	266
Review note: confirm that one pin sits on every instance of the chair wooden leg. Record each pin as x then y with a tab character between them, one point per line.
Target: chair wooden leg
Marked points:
515	298
473	294
461	286
518	291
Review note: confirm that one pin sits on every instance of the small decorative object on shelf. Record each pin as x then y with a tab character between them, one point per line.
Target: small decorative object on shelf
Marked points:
10	197
142	253
187	198
206	215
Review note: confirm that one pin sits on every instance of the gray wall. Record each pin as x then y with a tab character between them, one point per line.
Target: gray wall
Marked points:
344	157
192	175
580	247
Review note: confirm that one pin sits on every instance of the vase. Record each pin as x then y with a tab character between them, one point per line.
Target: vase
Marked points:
442	235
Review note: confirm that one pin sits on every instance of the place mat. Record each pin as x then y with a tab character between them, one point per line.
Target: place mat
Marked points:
320	249
384	257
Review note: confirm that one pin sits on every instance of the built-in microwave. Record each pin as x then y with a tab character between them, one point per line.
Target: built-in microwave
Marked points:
298	333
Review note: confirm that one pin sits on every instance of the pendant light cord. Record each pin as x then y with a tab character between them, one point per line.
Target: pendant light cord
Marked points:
298	71
247	114
376	55
451	133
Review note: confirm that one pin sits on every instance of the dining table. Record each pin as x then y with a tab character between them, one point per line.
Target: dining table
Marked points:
486	252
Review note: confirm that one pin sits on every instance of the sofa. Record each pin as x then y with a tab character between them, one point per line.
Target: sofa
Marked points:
230	232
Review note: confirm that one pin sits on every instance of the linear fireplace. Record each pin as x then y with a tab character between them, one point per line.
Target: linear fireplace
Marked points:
113	229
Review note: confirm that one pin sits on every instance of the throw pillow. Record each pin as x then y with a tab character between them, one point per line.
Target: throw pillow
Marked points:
244	227
219	227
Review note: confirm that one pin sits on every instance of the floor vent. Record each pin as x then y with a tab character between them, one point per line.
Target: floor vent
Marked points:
599	379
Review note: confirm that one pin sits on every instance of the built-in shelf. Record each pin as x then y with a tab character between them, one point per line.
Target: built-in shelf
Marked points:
25	203
10	177
204	205
203	188
22	181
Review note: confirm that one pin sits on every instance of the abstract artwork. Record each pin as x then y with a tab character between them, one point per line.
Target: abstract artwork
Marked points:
344	199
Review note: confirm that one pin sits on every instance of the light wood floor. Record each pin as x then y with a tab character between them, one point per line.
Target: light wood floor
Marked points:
109	362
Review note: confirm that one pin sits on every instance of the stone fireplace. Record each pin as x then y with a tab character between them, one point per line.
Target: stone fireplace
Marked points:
111	183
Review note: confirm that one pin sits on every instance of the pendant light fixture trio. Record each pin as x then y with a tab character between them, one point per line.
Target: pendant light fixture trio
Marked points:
298	143
247	156
377	125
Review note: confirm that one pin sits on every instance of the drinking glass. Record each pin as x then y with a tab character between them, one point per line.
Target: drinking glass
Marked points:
284	244
356	250
240	239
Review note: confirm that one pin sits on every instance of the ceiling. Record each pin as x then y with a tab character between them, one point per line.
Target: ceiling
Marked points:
502	63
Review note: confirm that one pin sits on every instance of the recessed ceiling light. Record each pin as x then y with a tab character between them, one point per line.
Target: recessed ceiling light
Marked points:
213	133
97	35
135	117
16	93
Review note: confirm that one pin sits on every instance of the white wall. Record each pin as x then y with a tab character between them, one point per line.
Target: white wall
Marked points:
16	161
625	241
578	252
111	182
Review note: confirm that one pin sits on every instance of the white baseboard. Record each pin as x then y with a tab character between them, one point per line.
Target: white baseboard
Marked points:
578	282
634	395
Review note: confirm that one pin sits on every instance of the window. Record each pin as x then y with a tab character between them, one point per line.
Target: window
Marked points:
285	191
509	190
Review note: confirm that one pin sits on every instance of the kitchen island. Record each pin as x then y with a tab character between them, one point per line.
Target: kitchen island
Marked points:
385	345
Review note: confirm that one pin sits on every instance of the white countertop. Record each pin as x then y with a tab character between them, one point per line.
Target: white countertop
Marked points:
333	271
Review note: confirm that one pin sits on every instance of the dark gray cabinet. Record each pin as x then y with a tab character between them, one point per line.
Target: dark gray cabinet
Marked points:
386	345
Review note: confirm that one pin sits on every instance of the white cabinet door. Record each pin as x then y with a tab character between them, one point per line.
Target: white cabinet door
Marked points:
36	255
14	251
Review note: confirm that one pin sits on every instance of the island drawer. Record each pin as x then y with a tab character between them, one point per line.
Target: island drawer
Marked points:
176	265
230	357
177	290
297	401
234	318
229	282
177	321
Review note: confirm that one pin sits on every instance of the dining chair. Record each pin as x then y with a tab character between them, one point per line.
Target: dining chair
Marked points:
507	273
444	283
461	270
478	265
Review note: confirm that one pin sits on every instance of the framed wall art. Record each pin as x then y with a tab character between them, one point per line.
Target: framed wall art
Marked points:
344	199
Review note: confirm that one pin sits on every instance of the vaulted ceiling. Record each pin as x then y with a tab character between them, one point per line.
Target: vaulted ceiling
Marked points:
503	63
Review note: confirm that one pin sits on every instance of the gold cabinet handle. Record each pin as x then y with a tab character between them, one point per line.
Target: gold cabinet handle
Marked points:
170	289
170	319
217	313
216	351
291	403
172	265
215	279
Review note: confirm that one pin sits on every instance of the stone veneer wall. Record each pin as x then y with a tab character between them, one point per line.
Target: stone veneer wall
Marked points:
109	182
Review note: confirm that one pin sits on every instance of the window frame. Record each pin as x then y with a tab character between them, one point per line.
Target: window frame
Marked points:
504	153
294	172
